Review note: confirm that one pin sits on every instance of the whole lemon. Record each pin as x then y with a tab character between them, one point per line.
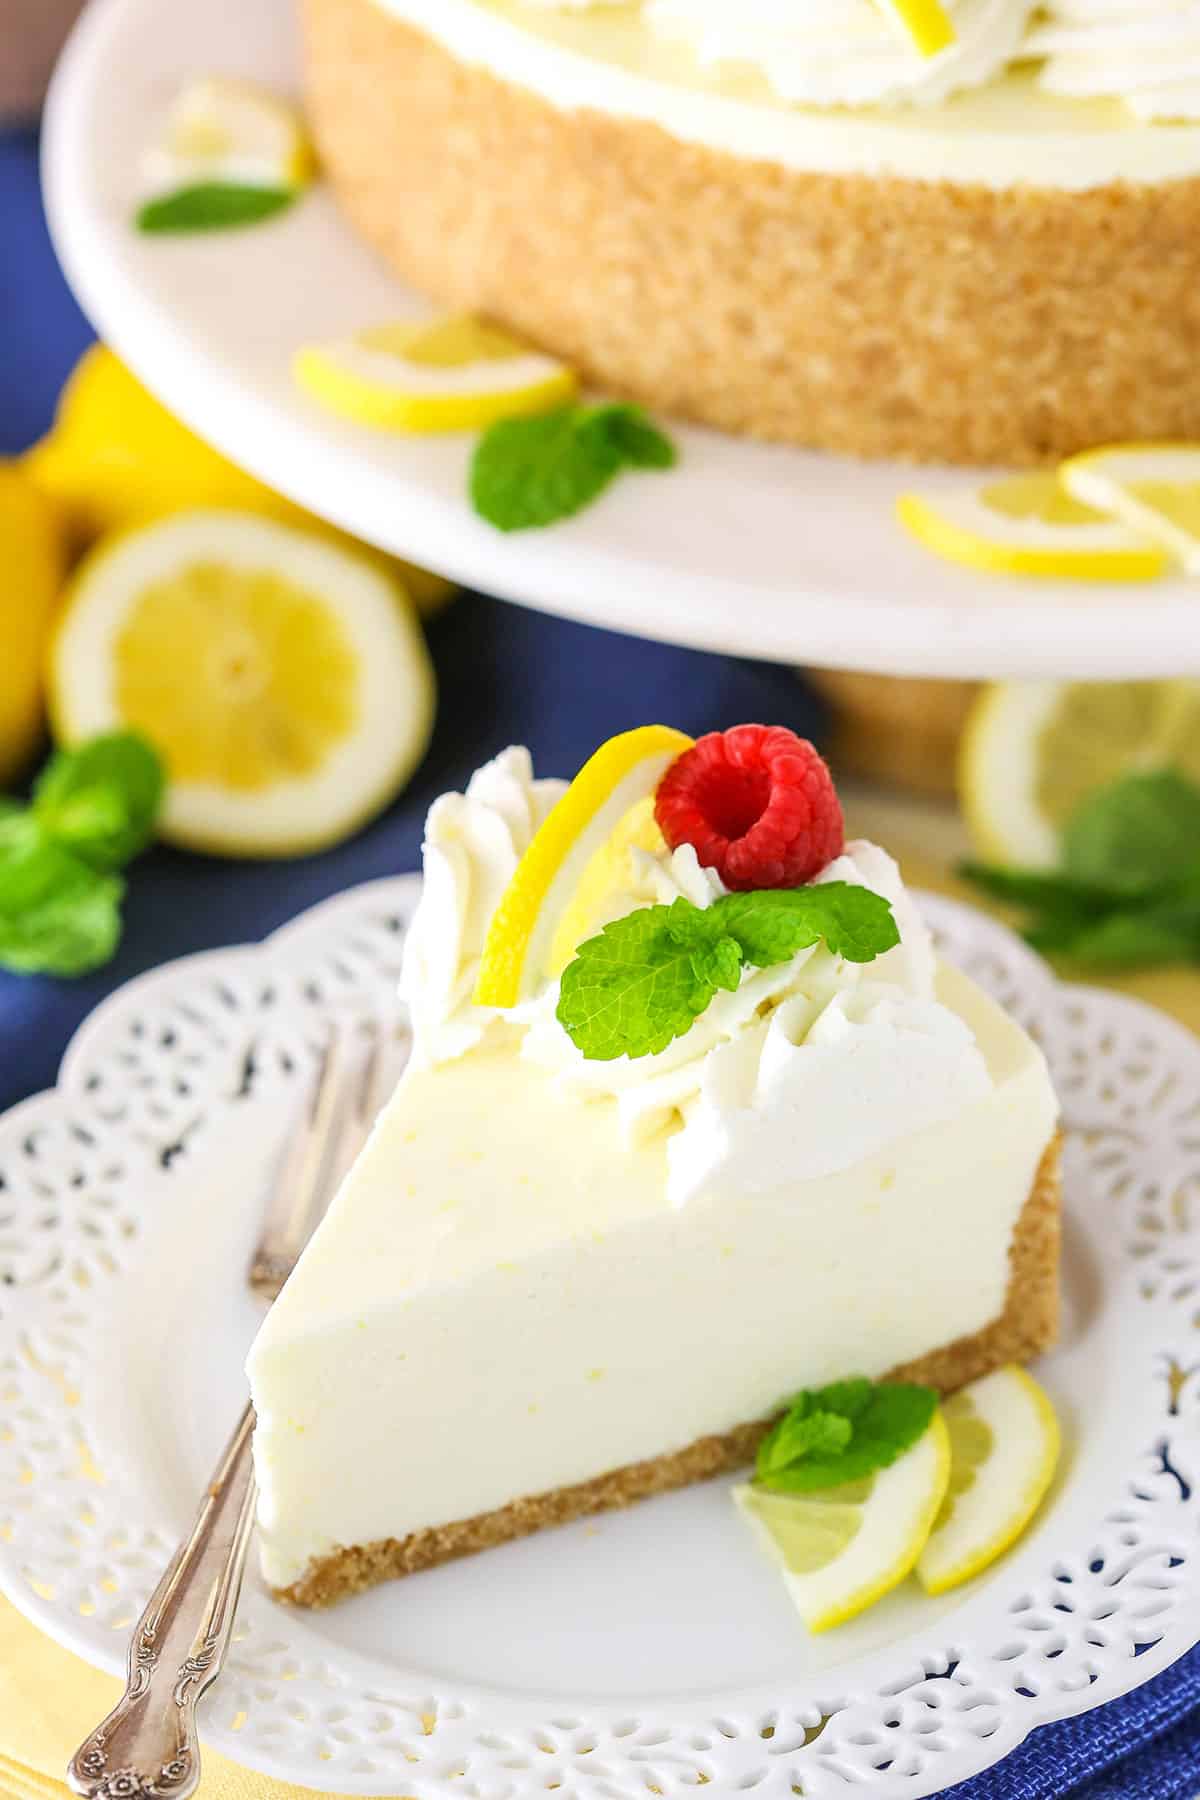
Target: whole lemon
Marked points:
115	457
34	565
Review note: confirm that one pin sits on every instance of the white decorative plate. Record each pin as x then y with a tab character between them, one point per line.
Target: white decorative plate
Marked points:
653	1650
763	551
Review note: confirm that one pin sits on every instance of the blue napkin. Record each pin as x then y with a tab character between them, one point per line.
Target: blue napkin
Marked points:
506	675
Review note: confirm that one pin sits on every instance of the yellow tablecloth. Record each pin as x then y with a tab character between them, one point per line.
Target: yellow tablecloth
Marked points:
49	1700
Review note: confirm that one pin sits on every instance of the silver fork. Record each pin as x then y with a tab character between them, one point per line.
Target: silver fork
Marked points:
147	1747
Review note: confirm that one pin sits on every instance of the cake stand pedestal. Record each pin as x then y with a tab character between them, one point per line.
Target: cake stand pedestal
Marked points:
746	548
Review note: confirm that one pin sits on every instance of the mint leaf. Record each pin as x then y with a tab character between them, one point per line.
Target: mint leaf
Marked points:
1048	892
102	800
1138	834
633	989
641	443
719	964
528	473
803	1452
644	980
799	1434
1128	895
212	206
1139	935
58	916
773	924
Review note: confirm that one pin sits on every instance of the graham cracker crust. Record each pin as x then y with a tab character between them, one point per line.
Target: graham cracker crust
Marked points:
878	316
1027	1326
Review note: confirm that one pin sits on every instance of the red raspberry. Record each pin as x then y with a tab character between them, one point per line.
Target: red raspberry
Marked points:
757	804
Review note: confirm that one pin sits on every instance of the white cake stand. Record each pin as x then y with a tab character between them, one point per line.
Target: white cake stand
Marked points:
766	552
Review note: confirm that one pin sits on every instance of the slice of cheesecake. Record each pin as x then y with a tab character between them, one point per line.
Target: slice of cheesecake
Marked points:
612	1274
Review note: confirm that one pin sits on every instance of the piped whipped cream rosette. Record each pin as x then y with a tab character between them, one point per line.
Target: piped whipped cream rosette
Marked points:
1144	52
847	52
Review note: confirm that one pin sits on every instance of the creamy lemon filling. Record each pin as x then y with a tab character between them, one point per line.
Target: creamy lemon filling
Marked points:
1008	130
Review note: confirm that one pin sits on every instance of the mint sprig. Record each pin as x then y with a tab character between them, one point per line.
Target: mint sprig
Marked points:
102	799
527	473
93	809
647	977
212	206
842	1433
1127	893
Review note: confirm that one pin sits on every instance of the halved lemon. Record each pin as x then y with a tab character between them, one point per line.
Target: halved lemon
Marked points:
229	133
556	869
1032	752
450	374
1027	525
1151	488
1004	1447
927	23
283	678
843	1548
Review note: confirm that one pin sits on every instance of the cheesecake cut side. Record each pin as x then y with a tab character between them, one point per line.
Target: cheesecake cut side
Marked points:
1027	1326
503	1324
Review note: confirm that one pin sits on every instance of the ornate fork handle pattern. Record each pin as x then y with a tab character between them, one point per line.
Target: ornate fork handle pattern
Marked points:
147	1748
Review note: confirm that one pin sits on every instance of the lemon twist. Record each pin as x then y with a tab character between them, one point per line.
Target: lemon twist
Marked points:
523	939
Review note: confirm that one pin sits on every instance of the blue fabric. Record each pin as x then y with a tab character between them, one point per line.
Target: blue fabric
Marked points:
506	675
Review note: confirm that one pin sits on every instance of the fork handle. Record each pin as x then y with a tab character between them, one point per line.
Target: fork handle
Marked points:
147	1748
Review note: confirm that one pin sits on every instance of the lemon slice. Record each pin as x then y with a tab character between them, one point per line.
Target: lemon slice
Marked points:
1026	525
451	374
927	23
609	874
1004	1444
1152	488
282	677
1032	751
843	1548
229	133
523	934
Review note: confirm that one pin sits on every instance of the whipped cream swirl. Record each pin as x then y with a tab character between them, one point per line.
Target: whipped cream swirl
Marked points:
473	843
1144	52
808	1067
838	52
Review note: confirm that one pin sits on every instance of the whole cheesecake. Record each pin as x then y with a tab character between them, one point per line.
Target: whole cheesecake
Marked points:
781	219
555	1283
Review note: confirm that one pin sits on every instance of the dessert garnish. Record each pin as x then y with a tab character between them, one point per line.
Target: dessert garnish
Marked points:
230	154
1153	489
533	472
859	1484
1031	525
1127	891
1004	1447
756	803
542	896
648	976
841	1433
845	1544
93	810
456	373
927	23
